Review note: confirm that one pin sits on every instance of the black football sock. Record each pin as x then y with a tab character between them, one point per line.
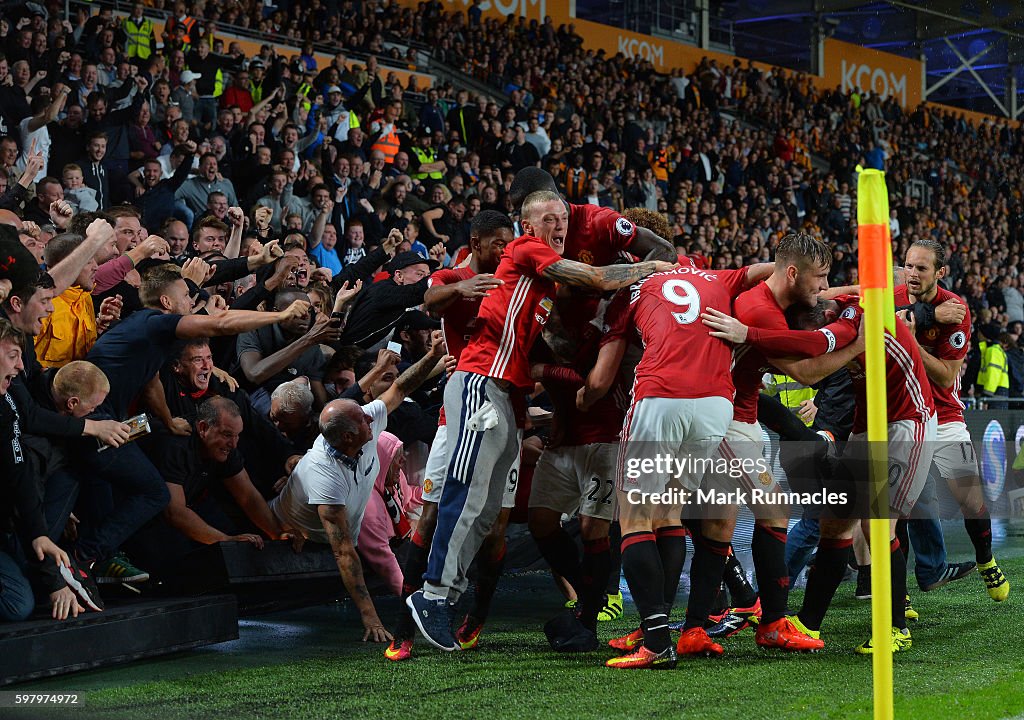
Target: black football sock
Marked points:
593	578
709	559
823	579
641	565
899	584
489	567
412	571
768	547
561	553
980	531
672	548
615	559
742	592
903	535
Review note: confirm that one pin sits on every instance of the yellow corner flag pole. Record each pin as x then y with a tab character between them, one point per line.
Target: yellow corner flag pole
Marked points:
875	270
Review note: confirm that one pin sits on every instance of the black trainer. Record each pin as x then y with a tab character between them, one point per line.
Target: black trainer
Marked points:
953	571
82	584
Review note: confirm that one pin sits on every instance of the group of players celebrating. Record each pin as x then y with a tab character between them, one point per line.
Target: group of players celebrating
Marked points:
656	356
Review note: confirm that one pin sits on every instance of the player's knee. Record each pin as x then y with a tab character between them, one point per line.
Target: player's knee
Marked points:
543	522
592	528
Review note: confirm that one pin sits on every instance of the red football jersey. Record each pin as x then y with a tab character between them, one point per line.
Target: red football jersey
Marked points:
908	391
596	235
946	342
681	359
756	307
459	319
603	422
511	317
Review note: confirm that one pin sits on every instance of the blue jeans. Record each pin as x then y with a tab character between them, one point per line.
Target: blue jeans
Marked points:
16	599
800	543
929	550
121	492
926	539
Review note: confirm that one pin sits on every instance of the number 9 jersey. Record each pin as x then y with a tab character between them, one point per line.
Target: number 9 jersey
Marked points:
681	359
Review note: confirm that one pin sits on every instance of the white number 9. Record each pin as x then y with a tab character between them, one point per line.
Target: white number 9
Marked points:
683	294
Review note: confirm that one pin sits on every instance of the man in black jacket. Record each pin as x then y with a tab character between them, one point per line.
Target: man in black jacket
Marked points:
189	380
380	306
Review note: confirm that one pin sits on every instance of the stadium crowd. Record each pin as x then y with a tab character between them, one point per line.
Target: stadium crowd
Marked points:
245	249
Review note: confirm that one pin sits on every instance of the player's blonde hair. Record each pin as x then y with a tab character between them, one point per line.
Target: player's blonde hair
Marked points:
79	379
535	199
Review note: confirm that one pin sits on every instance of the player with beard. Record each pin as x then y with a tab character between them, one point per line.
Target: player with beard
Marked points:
801	273
455	294
673	413
482	434
943	348
911	432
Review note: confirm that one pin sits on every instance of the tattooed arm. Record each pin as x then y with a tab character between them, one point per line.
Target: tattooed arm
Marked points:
609	277
416	375
335	521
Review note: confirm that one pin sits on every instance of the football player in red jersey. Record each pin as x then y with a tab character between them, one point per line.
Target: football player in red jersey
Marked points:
943	349
800	274
455	295
595	235
483	438
912	432
681	407
576	471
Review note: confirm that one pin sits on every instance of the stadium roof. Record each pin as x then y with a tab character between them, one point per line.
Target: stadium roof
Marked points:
972	49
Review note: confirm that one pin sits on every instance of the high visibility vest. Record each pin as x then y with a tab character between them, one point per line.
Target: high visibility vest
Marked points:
791	393
425	158
218	84
388	144
995	368
139	36
189	23
983	367
305	91
659	163
256	91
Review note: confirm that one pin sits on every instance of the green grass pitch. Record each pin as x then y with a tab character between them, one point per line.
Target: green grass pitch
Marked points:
967	662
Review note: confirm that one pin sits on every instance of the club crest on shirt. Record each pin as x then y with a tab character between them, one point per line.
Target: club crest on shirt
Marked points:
765	478
932	333
585	256
544	310
428	485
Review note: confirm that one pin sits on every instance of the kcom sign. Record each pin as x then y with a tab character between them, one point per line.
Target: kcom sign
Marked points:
632	47
880	82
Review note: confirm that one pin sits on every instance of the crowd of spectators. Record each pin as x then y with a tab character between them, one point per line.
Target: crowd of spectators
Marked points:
276	180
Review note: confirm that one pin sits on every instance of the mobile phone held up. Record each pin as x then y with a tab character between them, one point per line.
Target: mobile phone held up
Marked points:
395	347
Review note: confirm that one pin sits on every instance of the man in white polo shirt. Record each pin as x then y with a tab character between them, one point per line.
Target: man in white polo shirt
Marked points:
326	495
